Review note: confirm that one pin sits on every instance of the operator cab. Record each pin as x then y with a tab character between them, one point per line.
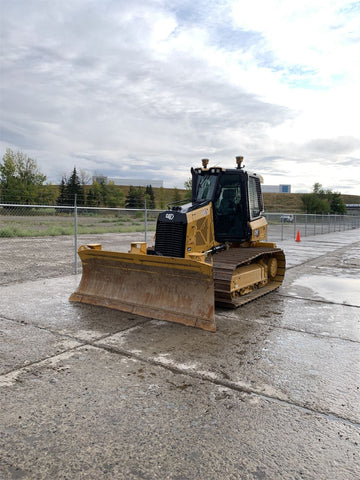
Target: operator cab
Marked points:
236	198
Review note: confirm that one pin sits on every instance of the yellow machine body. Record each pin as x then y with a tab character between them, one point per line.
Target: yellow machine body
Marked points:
210	250
174	289
200	235
258	230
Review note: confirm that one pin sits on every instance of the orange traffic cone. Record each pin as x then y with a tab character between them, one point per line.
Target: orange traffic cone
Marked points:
298	236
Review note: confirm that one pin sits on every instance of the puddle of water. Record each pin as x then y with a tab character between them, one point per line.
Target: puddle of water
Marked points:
333	289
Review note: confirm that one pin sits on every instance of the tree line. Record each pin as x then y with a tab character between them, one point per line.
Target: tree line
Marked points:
323	201
97	195
21	182
102	194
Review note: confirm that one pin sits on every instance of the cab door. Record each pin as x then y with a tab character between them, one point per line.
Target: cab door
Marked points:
230	218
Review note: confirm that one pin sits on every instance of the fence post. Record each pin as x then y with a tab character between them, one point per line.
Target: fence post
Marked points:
75	231
145	219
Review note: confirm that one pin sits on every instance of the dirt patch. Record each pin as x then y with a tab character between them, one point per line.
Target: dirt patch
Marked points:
31	258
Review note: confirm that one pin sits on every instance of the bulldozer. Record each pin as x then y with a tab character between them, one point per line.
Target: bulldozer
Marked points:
210	250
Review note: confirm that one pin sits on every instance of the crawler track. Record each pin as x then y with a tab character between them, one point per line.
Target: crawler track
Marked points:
227	261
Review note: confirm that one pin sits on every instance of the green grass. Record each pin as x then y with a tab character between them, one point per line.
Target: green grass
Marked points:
11	232
11	227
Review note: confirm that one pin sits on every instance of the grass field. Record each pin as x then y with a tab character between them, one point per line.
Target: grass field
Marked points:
47	223
56	225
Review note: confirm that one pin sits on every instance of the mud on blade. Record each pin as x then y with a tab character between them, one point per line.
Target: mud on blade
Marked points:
165	288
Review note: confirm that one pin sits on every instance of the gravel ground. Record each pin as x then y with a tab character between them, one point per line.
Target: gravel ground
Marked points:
23	259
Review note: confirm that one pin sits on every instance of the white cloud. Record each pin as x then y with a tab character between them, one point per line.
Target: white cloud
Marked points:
150	87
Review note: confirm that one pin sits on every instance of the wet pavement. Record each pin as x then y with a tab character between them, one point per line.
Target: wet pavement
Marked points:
90	393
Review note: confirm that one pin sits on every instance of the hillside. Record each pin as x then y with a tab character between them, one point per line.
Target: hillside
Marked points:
273	202
282	202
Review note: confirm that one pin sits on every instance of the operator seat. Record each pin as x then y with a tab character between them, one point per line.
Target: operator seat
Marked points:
227	206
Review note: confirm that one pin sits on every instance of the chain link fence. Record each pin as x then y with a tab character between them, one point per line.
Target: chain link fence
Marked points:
285	226
38	241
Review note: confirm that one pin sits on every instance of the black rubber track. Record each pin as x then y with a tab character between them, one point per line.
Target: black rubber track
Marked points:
226	262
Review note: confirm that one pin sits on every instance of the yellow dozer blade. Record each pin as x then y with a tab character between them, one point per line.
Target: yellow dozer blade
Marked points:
165	288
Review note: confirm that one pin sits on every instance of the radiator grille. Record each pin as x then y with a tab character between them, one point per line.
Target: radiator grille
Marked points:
170	239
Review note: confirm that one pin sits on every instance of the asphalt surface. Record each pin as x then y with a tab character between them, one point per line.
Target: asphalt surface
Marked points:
90	393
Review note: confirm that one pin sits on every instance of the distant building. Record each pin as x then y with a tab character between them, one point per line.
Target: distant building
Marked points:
353	208
99	179
276	188
136	182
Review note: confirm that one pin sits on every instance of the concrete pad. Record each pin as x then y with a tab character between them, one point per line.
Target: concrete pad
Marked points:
324	306
342	260
287	365
299	253
45	303
273	394
92	414
342	290
332	279
300	314
22	344
313	247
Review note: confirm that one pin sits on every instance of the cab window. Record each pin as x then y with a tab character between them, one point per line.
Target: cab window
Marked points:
205	187
255	197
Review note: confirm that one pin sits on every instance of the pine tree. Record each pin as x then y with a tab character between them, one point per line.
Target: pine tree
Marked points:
150	197
130	200
61	200
73	186
134	198
140	202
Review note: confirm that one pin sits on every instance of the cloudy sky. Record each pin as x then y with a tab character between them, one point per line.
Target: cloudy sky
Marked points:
146	88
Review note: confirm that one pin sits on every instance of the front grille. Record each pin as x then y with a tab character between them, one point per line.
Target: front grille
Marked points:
170	239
